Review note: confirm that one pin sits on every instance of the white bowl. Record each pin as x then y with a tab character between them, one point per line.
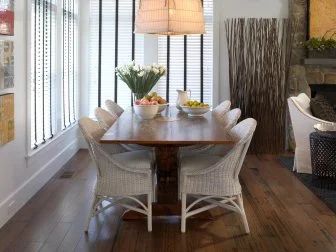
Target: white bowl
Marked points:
195	111
146	112
162	107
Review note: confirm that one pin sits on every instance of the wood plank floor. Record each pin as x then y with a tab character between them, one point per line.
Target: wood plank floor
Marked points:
283	216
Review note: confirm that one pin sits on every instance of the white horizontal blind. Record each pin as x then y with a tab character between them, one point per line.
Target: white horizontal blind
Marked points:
53	42
93	56
162	60
43	33
125	41
208	51
108	48
69	62
117	45
185	67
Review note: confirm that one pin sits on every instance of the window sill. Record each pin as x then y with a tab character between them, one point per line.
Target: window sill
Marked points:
32	153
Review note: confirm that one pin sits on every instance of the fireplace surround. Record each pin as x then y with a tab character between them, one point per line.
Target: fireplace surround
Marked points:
306	71
327	90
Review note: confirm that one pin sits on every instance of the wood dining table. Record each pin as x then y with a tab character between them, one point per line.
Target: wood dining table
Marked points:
166	133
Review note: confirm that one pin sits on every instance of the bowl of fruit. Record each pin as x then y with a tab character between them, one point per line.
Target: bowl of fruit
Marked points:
155	97
195	108
146	109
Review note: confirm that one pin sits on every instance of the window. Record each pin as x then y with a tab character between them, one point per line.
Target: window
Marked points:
69	67
188	58
111	19
189	61
47	107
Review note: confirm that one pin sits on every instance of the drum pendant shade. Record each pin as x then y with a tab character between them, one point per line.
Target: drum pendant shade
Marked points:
170	17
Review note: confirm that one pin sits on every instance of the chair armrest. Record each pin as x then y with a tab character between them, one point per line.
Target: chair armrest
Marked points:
295	104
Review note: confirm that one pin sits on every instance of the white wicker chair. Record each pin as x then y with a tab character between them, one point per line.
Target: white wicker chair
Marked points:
97	134
219	111
105	118
214	179
227	120
113	108
303	124
119	176
222	108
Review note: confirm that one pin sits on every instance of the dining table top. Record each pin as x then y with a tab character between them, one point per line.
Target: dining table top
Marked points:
171	127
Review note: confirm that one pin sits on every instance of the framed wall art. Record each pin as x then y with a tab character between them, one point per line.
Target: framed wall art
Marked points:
7	17
6	118
6	64
322	18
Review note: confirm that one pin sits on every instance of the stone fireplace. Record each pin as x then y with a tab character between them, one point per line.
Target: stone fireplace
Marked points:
305	72
322	79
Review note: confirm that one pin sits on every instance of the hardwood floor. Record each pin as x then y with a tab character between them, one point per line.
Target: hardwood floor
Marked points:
283	216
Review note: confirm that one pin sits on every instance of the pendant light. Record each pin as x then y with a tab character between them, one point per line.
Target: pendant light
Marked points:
170	17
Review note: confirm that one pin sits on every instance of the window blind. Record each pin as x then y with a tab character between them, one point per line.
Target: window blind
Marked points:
69	69
189	60
43	20
53	100
111	43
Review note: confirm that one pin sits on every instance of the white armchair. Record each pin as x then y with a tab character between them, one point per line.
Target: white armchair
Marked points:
303	124
119	176
214	179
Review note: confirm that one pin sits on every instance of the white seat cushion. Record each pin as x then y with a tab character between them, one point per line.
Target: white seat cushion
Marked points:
198	162
216	150
113	148
135	159
219	150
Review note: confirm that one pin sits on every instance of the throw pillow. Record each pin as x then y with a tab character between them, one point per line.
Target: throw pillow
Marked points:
321	109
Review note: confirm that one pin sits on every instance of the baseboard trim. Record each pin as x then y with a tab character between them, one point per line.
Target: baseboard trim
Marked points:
27	190
82	143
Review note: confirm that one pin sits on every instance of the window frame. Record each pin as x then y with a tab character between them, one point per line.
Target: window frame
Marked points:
58	77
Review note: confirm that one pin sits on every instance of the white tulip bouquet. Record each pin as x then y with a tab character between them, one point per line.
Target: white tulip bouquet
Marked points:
140	79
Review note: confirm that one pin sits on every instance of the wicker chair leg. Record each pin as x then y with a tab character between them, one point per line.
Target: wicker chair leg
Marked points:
178	186
92	211
183	215
154	182
149	212
242	213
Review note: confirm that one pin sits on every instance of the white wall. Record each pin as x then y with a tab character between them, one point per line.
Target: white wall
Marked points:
22	176
236	9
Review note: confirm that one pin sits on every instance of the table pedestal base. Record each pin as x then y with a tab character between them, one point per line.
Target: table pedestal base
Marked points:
168	204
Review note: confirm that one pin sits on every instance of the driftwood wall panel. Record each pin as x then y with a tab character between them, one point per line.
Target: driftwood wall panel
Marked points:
259	60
